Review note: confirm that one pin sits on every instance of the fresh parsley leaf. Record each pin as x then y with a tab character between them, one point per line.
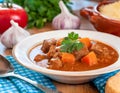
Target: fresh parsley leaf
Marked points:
71	43
73	36
78	46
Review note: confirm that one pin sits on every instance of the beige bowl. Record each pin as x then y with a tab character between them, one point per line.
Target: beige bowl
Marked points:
21	53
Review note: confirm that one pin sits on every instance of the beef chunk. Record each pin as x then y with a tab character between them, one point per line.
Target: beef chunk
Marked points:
57	54
39	57
51	51
82	52
97	48
55	63
46	44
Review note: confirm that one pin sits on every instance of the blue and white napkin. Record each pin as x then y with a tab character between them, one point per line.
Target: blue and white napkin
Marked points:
100	81
16	85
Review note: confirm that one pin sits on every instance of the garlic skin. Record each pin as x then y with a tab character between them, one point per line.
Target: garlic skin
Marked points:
65	20
13	35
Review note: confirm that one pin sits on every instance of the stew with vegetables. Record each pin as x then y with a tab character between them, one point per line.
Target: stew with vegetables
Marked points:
75	53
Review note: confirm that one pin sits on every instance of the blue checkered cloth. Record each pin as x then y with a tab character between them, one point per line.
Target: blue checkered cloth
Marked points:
16	85
100	81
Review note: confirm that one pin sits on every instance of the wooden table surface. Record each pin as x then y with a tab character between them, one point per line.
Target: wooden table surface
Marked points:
86	25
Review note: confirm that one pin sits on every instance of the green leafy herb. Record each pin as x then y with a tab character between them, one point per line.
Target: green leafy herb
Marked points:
71	43
40	12
73	36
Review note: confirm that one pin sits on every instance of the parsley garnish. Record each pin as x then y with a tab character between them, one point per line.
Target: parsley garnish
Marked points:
71	43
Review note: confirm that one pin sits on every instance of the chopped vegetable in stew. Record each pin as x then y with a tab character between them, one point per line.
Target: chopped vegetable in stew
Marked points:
74	53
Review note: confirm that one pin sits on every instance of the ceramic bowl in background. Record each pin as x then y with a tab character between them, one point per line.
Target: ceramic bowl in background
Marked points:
101	22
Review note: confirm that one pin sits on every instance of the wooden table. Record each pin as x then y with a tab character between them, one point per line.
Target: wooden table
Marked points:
65	88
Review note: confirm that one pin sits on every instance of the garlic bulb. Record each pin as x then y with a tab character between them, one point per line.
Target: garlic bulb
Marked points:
65	20
13	35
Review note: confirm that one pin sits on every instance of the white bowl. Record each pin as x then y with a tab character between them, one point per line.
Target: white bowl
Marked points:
21	53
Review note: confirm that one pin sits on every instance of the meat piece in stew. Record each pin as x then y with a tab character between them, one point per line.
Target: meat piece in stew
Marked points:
46	44
82	52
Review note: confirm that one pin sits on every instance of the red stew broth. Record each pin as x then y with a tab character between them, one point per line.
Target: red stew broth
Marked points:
108	57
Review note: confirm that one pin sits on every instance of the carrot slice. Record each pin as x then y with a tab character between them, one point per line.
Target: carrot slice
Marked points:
90	59
68	57
86	41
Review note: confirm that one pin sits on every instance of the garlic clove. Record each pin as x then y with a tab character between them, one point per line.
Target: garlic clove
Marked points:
20	31
65	20
13	35
5	40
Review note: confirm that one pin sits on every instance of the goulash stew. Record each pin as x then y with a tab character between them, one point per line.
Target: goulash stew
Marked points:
74	53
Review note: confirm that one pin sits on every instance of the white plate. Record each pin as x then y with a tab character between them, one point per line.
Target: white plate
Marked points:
22	49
